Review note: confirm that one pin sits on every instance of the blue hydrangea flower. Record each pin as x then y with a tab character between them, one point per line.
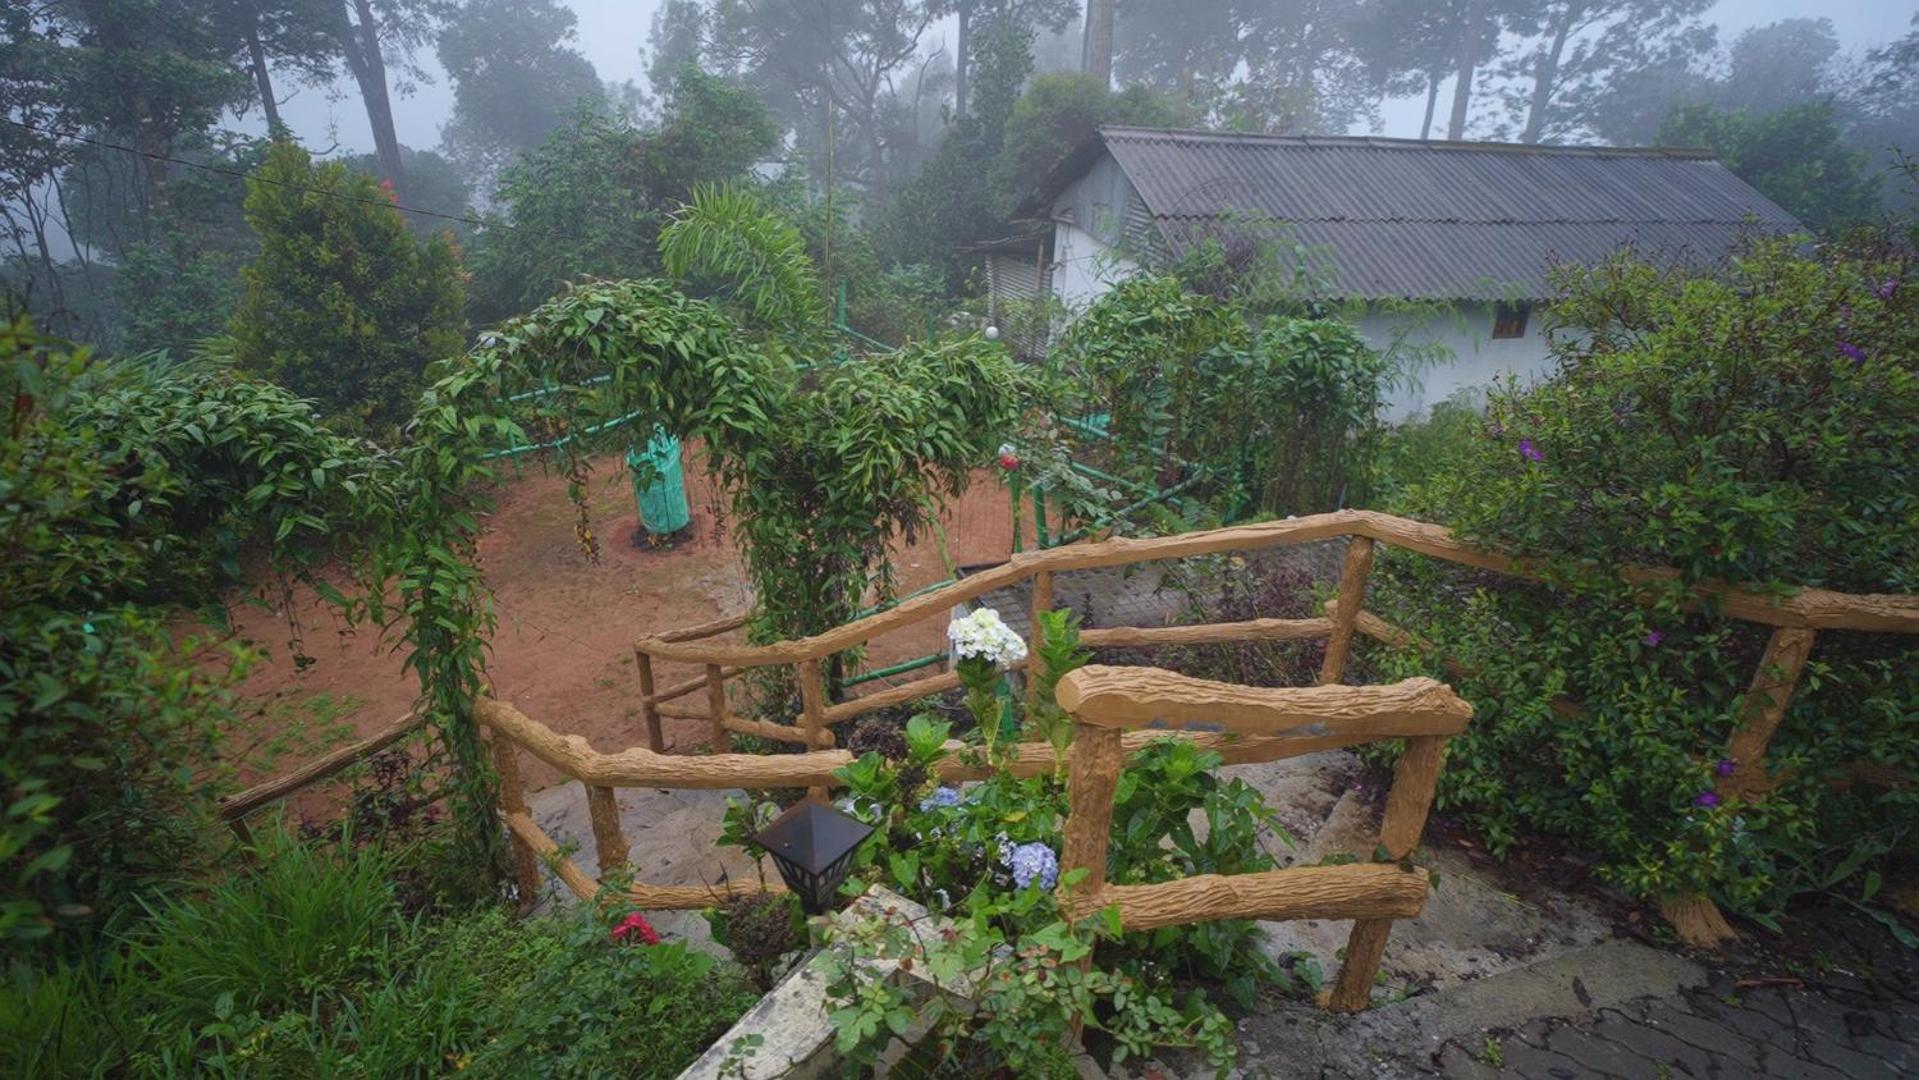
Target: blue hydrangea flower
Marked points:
942	796
1032	863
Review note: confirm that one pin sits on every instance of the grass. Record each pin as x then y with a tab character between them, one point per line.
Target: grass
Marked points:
307	966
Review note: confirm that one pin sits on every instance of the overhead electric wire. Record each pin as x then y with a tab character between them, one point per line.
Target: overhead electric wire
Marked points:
239	175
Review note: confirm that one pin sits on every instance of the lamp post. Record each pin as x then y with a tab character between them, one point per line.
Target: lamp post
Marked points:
813	845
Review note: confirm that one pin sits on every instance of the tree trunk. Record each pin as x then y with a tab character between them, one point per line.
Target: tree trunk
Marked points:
263	81
1546	74
1432	99
963	60
1096	48
362	47
1470	36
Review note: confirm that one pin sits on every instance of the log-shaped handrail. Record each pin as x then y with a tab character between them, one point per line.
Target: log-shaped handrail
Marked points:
1143	697
239	805
1816	608
1102	700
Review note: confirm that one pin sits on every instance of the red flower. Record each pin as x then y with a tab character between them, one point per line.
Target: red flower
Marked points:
635	926
1009	461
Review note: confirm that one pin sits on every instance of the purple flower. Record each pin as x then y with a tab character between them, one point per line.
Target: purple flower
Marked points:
1707	799
1530	452
1033	862
1887	288
1724	768
1653	638
1852	352
943	796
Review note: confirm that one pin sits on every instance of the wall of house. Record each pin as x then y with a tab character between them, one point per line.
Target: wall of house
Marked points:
1084	266
1472	357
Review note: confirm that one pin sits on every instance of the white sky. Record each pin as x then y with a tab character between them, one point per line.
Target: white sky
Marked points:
612	34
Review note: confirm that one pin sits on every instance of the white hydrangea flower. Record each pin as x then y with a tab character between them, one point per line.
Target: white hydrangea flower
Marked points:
985	636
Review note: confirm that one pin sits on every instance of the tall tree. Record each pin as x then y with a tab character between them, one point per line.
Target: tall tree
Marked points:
515	79
1408	47
368	34
976	17
831	71
344	305
1096	54
1578	48
1264	65
291	35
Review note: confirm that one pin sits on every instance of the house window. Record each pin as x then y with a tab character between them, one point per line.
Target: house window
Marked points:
1509	320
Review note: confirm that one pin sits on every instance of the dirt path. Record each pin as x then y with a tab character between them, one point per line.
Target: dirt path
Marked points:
563	650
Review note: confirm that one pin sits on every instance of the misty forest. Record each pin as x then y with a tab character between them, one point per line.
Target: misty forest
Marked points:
963	538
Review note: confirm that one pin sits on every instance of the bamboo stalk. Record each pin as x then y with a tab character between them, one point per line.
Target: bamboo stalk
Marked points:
812	712
603	809
240	805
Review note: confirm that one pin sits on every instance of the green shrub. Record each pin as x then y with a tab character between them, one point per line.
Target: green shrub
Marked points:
128	491
1281	411
306	966
1756	427
344	305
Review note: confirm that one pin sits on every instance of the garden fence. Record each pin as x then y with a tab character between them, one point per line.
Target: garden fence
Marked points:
1796	618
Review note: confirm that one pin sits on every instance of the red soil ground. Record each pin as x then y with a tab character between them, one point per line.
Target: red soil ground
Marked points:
563	649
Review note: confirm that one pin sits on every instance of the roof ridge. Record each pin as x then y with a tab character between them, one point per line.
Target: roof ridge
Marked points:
1380	142
1237	217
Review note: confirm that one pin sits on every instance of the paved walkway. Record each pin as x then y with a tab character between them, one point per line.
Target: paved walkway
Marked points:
1839	998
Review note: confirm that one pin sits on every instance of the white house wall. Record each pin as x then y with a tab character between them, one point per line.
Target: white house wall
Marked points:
1084	266
1473	358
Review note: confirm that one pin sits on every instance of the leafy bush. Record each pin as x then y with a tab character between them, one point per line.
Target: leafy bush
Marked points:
987	857
344	305
127	492
308	967
1756	427
1282	414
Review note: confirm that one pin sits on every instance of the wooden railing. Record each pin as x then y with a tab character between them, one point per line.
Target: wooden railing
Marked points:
235	808
1107	701
1796	618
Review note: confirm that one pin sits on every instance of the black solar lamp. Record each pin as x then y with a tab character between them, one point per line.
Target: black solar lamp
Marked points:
813	845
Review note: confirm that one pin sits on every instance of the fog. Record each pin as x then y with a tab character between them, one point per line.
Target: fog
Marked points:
612	34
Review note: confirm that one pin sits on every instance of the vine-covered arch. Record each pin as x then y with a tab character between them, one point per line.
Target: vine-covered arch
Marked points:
821	466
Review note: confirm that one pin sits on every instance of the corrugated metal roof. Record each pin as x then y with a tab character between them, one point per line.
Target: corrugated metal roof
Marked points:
1404	218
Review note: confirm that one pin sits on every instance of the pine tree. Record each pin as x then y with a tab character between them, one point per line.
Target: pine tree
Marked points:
344	305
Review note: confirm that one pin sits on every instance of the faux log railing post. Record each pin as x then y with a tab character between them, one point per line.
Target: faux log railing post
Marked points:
1092	777
1352	597
1763	709
526	862
1042	602
716	707
1695	918
812	712
1415	779
610	844
655	738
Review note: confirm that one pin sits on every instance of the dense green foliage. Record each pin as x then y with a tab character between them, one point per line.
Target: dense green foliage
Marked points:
1758	429
1280	412
1795	156
308	966
984	857
592	198
128	491
345	305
